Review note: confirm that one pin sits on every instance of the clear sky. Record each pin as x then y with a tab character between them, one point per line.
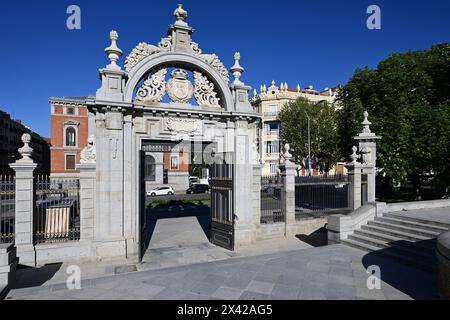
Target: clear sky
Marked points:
318	43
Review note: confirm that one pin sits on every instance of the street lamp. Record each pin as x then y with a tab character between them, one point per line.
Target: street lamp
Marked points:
309	142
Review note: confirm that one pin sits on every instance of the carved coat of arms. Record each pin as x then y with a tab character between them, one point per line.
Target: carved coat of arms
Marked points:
179	88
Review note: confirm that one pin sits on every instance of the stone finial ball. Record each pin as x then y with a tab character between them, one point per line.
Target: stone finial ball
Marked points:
26	138
114	35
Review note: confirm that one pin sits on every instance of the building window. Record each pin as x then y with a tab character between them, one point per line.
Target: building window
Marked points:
71	137
273	168
174	163
70	161
272	147
70	110
273	109
150	168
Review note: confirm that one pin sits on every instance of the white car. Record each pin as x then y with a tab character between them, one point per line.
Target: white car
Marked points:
161	191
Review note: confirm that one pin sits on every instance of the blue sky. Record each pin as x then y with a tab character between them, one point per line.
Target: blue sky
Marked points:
318	43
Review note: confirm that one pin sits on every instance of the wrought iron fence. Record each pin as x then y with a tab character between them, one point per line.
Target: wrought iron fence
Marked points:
271	205
7	208
57	210
364	186
319	196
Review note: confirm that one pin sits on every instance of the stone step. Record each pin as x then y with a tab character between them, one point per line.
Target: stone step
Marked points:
401	216
407	249
412	224
396	233
396	227
393	253
429	245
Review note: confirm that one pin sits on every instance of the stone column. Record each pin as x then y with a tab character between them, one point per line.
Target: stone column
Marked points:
288	172
243	183
368	148
354	177
87	200
25	203
256	195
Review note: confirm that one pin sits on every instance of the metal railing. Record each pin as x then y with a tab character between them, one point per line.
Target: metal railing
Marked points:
7	208
57	213
319	196
271	205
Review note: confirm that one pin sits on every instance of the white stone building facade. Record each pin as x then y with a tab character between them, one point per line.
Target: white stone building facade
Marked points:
268	103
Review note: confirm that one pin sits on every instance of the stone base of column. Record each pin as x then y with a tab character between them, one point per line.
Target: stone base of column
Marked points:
26	255
244	237
110	249
8	265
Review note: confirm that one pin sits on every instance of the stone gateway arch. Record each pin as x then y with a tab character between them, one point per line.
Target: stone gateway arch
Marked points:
169	94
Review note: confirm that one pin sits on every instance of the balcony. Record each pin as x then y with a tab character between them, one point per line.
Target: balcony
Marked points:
273	133
272	155
272	114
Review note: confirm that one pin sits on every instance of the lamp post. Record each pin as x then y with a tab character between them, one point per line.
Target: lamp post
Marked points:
309	142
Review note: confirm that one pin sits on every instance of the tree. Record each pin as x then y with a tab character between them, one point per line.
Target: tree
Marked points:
408	99
294	126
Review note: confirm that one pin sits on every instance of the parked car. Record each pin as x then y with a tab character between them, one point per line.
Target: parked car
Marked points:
193	180
161	191
198	188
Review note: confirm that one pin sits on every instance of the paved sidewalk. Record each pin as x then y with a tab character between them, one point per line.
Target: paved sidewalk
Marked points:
331	272
441	215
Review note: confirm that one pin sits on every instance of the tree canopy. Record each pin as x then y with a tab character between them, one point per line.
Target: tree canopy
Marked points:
408	100
324	138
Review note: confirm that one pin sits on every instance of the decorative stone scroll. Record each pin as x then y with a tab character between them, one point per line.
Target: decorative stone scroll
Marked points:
204	91
182	125
139	53
88	154
143	50
154	88
214	61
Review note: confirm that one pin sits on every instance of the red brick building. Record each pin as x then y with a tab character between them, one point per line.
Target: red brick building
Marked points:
69	134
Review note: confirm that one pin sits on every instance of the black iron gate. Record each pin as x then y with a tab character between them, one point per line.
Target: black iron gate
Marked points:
142	210
222	201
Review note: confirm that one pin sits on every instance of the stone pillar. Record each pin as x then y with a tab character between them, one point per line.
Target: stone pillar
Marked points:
367	143
245	232
87	200
256	194
288	172
354	176
25	202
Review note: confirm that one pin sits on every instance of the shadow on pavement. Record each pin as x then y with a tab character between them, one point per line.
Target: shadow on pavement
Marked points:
27	277
178	210
415	281
318	238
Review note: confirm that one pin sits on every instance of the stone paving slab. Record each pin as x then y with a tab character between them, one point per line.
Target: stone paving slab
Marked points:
272	276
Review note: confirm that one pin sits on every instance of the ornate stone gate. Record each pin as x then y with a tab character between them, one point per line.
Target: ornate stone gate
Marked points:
166	92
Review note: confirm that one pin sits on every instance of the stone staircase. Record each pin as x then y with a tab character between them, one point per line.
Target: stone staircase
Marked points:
408	240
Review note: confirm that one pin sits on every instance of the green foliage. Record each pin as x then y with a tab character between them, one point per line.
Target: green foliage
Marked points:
408	100
294	124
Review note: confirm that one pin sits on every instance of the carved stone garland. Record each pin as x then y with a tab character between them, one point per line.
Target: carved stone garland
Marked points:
154	88
204	91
